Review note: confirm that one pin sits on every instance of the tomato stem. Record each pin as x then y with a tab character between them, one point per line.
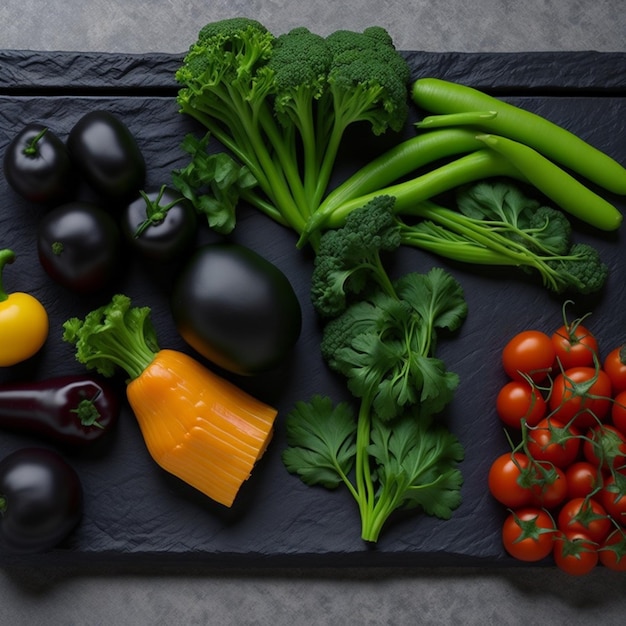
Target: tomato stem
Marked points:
6	256
32	147
155	213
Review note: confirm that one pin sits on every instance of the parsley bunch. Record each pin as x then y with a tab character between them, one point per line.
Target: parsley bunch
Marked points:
381	334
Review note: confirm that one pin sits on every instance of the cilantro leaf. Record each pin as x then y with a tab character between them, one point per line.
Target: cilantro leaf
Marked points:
321	439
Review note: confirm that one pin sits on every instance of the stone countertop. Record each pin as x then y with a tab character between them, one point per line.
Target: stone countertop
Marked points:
467	596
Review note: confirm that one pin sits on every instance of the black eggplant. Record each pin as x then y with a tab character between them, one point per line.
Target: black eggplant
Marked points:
41	500
71	410
236	309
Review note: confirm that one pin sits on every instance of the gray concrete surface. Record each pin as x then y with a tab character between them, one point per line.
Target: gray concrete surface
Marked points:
419	596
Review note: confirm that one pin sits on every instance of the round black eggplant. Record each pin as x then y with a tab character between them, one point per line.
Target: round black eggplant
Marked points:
38	167
105	151
236	308
160	225
79	246
41	500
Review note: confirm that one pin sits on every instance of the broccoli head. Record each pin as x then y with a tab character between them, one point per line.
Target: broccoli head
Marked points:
368	80
349	260
581	270
281	105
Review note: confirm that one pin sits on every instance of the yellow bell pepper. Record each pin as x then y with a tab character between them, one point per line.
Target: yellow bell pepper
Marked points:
23	321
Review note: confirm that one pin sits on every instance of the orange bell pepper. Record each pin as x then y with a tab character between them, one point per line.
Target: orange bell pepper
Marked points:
196	425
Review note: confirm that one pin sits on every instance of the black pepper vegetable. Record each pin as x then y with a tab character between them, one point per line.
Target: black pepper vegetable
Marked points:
236	308
71	410
106	152
41	500
38	167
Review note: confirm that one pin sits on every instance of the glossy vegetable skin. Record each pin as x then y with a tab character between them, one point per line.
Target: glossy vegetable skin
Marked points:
560	186
528	534
38	167
41	500
529	353
160	225
236	309
103	148
445	97
24	321
79	246
70	410
219	431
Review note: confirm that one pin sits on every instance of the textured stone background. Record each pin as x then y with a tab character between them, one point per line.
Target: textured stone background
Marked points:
420	596
435	25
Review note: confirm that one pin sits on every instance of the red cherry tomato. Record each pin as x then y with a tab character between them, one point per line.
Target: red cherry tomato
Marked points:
529	353
574	346
618	412
581	394
504	480
615	367
518	400
582	479
528	534
553	442
605	446
574	553
612	554
551	489
586	516
612	496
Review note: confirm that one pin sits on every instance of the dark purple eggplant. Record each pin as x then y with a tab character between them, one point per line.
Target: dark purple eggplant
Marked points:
71	410
41	500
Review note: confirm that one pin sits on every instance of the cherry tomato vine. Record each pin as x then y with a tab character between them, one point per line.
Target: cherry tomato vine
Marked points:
563	479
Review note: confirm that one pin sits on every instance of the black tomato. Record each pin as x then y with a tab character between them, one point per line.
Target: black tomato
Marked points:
38	167
79	246
107	154
160	225
236	308
41	500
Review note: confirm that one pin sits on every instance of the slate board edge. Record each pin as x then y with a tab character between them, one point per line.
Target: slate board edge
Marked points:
586	70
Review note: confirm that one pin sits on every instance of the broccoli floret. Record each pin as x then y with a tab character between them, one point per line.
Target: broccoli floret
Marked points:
535	239
281	105
581	270
348	259
551	230
367	82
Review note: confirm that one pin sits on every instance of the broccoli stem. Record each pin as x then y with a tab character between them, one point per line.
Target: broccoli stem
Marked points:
245	142
478	243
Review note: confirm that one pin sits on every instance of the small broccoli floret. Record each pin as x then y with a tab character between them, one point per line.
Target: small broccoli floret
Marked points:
348	259
581	270
551	230
368	80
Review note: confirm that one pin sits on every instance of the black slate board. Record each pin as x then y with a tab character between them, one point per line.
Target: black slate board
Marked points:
134	512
